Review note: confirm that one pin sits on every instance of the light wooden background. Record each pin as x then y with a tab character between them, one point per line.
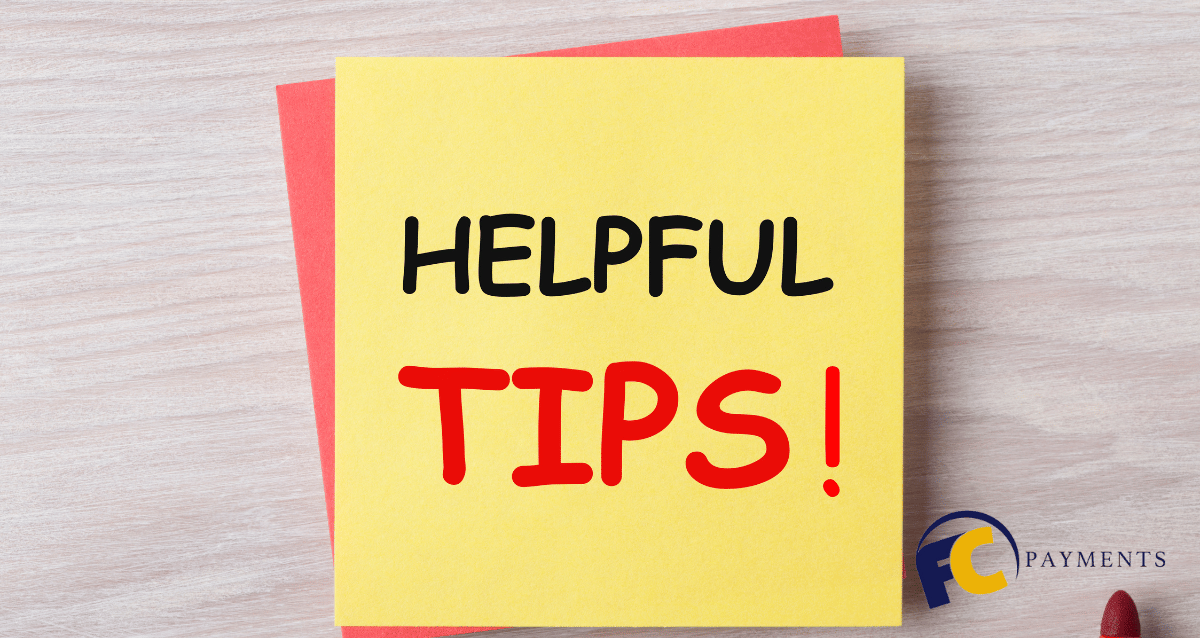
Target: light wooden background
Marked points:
158	462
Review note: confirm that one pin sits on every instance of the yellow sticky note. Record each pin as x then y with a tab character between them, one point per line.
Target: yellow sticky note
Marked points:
725	232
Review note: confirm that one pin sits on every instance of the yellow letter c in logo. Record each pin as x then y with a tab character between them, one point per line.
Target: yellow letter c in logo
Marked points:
964	570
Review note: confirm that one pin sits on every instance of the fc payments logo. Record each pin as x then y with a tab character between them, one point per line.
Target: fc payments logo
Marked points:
961	569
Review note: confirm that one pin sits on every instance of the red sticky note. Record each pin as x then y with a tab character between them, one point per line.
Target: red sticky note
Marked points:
306	124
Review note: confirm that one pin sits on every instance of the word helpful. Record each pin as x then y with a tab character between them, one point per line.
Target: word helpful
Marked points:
658	252
616	430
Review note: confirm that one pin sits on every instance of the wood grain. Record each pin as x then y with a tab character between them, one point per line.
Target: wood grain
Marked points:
158	464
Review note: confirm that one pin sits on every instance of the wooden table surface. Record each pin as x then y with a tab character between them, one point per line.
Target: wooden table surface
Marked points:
158	458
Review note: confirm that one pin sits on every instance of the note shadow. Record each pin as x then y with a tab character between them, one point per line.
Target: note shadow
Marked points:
923	216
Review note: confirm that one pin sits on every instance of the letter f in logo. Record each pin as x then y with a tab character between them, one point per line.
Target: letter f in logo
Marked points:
934	576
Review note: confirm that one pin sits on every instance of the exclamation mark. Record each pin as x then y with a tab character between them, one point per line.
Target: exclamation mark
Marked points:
833	425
